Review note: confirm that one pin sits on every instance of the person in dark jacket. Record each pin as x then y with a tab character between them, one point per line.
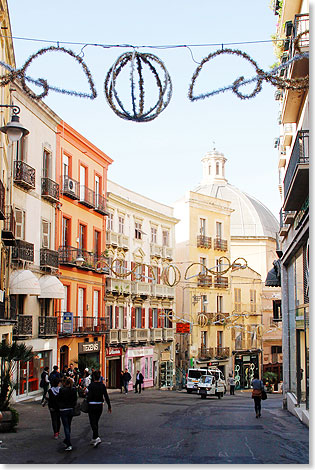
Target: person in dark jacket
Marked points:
44	383
67	399
127	378
139	381
54	406
96	392
257	386
54	375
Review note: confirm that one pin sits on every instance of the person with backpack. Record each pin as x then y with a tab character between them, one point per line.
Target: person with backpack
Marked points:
53	406
44	384
54	375
258	387
96	392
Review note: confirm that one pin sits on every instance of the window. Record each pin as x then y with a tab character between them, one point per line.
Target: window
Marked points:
45	234
82	182
97	189
45	307
21	149
209	169
277	313
203	227
109	317
219	265
110	221
65	165
203	262
276	349
138	317
153	234
151	367
219	339
219	303
82	236
81	296
166	237
237	300
64	301
204	303
138	272
19	223
219	229
46	164
239	340
253	301
154	318
97	244
96	301
217	168
121	222
138	230
65	231
203	340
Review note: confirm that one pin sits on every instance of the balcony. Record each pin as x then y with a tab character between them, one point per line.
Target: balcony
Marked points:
221	282
117	240
47	326
117	286
296	180
222	353
8	231
204	281
168	334
123	336
87	197
24	326
50	190
156	250
112	336
100	204
203	241
49	258
140	335
70	187
82	326
220	244
23	251
69	255
2	201
167	253
205	354
221	318
140	288
24	175
156	334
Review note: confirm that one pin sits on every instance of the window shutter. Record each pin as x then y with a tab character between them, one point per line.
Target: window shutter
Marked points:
150	275
45	234
159	318
150	318
125	318
143	318
116	317
133	317
19	224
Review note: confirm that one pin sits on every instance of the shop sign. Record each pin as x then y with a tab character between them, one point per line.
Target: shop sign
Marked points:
182	327
67	324
140	352
113	351
89	347
246	358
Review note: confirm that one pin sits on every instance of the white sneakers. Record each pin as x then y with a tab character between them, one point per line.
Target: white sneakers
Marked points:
97	441
68	448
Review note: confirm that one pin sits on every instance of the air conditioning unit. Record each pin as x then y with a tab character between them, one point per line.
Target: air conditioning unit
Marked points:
69	186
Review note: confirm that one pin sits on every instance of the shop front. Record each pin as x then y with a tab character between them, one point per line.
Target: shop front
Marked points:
140	359
89	355
82	352
113	367
245	366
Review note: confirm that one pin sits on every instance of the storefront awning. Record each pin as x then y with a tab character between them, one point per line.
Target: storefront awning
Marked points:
24	282
274	275
51	288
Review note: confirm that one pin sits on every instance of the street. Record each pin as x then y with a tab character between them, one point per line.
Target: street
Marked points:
164	427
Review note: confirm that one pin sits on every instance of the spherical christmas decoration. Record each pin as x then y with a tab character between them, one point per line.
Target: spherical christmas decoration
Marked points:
140	63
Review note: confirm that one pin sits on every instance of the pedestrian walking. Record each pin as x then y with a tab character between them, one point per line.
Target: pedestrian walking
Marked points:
139	381
96	393
53	406
67	399
44	384
257	386
121	379
232	384
127	378
54	375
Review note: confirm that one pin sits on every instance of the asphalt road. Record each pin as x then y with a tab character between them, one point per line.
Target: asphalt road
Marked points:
165	427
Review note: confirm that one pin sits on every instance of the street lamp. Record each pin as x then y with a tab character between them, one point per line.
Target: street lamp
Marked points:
14	129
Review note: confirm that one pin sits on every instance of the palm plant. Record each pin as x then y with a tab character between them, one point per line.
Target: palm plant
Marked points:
9	355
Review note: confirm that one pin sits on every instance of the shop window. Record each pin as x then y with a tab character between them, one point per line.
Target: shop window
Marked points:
151	368
146	364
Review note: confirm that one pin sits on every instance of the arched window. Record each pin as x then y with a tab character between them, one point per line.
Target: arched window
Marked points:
217	168
209	168
64	357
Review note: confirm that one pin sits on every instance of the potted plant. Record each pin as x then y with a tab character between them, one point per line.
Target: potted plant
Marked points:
9	355
270	378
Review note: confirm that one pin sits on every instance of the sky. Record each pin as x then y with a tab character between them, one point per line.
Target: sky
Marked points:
161	159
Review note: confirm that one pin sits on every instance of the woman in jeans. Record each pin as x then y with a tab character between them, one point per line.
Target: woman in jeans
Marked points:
53	406
96	393
67	400
258	386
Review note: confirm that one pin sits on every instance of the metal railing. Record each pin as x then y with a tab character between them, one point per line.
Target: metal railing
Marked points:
299	155
83	325
205	353
221	282
8	230
24	174
23	251
203	280
49	258
222	353
24	326
69	187
100	204
50	190
47	326
203	241
70	255
220	244
87	196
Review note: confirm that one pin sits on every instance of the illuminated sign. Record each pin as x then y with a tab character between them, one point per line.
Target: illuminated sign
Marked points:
182	327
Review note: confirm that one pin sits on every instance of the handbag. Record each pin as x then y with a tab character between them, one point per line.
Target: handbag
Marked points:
263	395
84	406
256	393
76	410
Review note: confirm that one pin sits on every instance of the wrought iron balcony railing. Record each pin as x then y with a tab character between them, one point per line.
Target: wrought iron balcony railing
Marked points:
220	244
203	280
24	326
221	282
87	197
24	175
8	231
78	257
222	353
49	258
100	204
50	190
82	325
23	251
2	201
47	326
70	187
203	241
205	353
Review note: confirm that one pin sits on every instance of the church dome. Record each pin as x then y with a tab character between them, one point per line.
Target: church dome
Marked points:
250	217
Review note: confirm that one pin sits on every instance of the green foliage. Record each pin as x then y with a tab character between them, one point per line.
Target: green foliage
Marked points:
270	377
15	417
84	362
9	355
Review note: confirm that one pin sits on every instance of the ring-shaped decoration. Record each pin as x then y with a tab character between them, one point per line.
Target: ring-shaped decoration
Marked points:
202	320
236	265
44	84
222	271
166	275
202	273
138	113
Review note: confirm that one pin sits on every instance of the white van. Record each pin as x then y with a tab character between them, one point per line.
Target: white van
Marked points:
192	377
219	380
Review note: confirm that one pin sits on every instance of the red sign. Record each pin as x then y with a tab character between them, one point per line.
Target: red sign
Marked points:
182	327
113	351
